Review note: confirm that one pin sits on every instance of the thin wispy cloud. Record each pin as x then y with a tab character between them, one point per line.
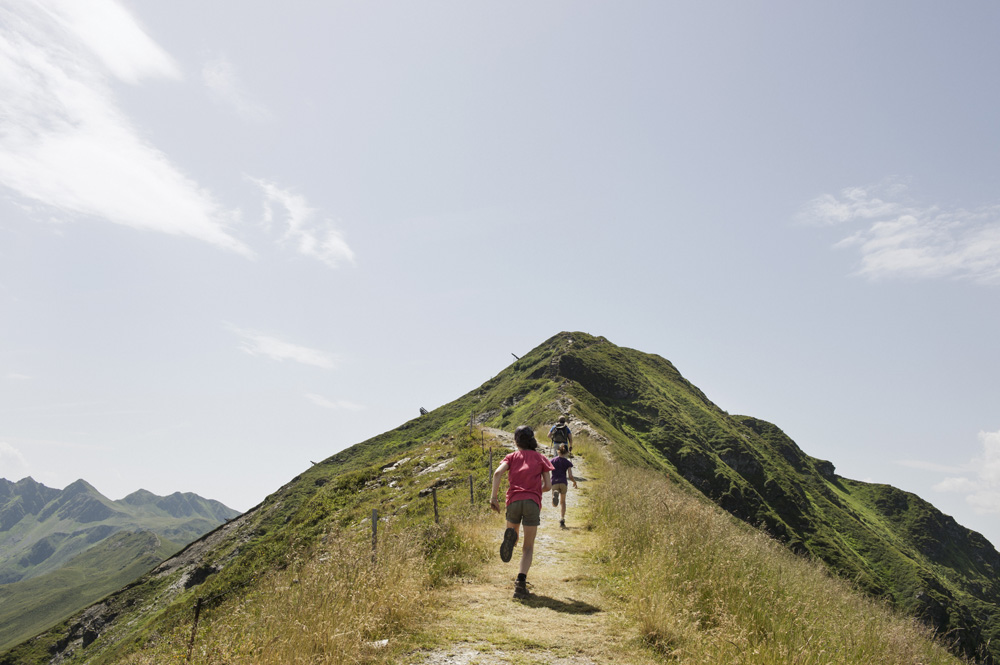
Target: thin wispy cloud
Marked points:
13	466
981	484
65	142
261	344
107	29
333	404
219	76
302	227
901	238
853	203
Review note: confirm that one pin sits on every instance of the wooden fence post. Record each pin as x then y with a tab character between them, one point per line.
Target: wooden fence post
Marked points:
434	494
194	629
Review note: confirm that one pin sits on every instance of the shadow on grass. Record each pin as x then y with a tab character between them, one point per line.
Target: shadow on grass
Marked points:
568	606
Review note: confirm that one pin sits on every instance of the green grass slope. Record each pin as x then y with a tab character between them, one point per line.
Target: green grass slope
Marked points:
651	416
61	550
44	528
891	543
392	473
32	605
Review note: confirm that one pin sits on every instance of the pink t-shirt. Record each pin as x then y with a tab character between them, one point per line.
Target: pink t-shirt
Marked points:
525	475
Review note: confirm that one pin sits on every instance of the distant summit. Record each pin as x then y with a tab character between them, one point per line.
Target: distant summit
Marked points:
179	505
43	530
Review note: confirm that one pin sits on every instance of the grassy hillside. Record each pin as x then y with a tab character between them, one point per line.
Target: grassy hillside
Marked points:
61	550
692	585
32	605
331	501
43	528
335	494
650	417
702	588
890	543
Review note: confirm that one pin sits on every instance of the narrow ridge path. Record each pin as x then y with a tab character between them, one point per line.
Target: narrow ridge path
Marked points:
566	620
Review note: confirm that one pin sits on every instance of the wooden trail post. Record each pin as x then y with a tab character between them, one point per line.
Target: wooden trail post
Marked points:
194	629
489	470
374	533
434	494
472	499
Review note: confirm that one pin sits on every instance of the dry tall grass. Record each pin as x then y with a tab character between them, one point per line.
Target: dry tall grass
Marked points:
334	607
699	587
704	589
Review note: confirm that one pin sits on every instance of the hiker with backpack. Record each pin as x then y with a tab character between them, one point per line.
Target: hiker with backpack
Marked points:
559	434
528	478
562	469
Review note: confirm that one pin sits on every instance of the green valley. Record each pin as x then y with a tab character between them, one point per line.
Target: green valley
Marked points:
61	550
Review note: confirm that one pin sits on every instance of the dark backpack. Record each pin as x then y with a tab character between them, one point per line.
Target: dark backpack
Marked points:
560	434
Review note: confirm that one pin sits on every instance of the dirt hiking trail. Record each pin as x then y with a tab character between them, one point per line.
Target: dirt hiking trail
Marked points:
566	620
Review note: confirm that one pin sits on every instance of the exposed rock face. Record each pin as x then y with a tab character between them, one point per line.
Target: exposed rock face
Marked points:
825	469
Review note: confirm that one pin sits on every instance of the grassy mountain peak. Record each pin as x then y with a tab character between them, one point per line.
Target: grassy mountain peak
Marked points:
43	528
889	543
63	549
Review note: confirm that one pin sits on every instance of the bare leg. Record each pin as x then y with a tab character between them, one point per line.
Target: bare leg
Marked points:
562	506
527	548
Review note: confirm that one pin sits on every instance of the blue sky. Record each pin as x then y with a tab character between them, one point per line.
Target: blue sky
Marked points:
236	237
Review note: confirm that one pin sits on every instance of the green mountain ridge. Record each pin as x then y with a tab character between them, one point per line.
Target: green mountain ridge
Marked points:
891	543
61	550
43	528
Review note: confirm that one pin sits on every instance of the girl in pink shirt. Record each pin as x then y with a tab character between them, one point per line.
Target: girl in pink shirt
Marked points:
528	475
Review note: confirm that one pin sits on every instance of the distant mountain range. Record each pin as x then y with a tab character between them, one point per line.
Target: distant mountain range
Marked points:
63	549
889	543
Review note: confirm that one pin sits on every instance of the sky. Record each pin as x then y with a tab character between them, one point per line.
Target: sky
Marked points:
237	237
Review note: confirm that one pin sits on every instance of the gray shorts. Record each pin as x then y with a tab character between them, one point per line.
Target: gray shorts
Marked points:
526	510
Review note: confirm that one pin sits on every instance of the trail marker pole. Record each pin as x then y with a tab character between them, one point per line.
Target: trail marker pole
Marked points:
374	533
194	629
434	495
472	500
